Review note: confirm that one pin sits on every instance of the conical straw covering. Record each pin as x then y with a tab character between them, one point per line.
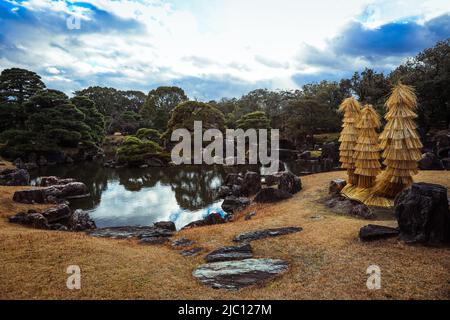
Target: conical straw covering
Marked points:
367	150
351	109
400	142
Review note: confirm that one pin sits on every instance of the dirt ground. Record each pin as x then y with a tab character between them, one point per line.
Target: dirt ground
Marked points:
327	260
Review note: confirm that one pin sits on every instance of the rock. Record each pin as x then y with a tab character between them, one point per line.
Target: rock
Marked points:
234	179
267	233
211	219
373	232
330	151
272	180
130	232
31	218
191	252
14	177
42	161
234	275
167	225
52	194
251	184
81	221
234	204
53	181
290	183
153	241
423	214
182	242
154	162
430	161
250	215
269	195
230	253
58	227
60	213
225	191
361	210
336	186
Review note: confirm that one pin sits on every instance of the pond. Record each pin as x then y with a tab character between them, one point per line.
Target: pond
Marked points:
135	196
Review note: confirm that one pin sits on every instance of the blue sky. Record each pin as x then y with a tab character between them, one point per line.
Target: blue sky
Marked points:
214	48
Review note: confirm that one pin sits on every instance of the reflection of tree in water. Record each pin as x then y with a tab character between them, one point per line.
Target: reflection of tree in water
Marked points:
193	185
134	179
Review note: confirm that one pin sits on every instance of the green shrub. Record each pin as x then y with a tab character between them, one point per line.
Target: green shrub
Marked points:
135	151
149	134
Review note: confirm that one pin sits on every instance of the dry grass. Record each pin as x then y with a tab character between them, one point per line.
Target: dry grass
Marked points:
327	259
4	164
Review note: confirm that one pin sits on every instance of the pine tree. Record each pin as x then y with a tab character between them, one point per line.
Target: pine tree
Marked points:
367	150
400	142
349	135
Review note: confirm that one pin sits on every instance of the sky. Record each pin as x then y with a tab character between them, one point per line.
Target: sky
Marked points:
213	48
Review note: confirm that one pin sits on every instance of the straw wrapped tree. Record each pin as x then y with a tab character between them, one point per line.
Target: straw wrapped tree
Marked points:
400	142
351	109
367	150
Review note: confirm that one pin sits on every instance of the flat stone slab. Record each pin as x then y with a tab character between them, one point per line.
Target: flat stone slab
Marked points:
191	252
267	233
373	232
230	253
153	241
234	275
130	232
182	242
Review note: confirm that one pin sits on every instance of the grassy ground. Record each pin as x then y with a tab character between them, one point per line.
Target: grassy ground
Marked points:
327	260
5	164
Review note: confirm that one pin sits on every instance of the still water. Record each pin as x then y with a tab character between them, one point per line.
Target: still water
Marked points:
133	196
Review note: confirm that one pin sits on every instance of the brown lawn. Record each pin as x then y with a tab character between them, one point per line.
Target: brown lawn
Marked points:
327	260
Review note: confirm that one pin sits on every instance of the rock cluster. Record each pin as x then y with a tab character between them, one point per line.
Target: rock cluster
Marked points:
14	177
52	194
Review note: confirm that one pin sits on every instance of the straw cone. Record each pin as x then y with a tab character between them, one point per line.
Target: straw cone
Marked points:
400	142
367	150
349	136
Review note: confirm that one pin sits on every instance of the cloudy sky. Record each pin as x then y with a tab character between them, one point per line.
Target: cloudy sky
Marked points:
213	48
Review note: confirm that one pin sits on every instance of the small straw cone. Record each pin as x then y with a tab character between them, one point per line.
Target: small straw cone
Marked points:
351	109
400	142
367	150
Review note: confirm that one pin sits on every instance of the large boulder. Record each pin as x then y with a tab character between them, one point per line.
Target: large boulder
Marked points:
290	183
53	194
168	225
234	179
374	232
230	253
430	161
251	184
226	191
58	214
330	151
234	204
423	214
14	177
130	232
234	275
30	196
31	218
81	221
269	195
53	181
211	219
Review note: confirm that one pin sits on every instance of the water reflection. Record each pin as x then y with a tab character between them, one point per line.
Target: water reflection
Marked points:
132	196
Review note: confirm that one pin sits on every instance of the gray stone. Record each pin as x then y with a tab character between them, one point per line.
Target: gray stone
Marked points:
130	232
250	215
230	253
290	183
182	243
191	252
30	218
361	210
267	233
14	177
234	204
234	275
81	221
251	184
60	213
336	186
373	232
168	225
211	219
153	241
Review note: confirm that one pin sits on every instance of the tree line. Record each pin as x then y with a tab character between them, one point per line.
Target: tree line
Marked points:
34	118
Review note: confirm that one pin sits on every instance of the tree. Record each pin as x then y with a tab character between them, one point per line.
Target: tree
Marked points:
184	115
349	136
135	151
400	142
159	104
255	120
429	74
93	118
367	150
149	134
19	85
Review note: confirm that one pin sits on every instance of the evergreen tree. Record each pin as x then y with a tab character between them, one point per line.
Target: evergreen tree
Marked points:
19	85
93	118
400	142
367	150
349	136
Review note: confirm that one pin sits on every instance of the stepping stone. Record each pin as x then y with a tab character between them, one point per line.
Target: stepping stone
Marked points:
267	233
234	275
153	241
182	242
373	232
191	252
230	253
250	215
130	232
